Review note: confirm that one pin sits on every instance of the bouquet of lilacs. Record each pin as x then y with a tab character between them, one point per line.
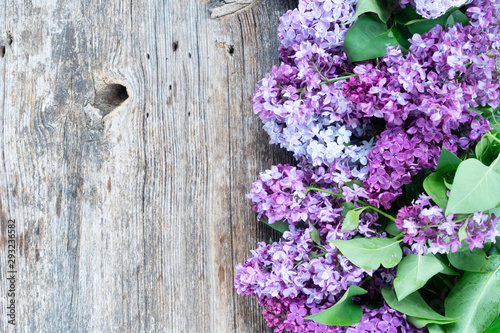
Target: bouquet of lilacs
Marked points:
390	217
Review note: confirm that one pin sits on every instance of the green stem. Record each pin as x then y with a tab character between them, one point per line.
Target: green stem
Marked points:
337	79
390	217
492	136
359	201
324	191
302	261
399	236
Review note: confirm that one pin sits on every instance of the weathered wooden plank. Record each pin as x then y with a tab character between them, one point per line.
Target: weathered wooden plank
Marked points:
127	145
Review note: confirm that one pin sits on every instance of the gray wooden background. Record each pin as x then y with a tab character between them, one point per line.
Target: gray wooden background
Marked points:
127	145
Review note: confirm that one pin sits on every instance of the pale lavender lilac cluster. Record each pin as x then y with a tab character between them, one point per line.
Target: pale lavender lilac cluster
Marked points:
432	8
293	101
428	230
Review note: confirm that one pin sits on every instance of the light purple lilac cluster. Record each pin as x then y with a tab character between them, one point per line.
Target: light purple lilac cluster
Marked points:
428	230
293	100
296	277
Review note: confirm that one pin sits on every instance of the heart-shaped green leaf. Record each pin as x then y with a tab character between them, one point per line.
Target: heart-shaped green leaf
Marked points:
434	186
370	253
342	313
475	261
476	187
414	272
378	7
368	38
475	299
414	305
447	161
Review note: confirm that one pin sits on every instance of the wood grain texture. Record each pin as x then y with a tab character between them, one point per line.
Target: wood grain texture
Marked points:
130	204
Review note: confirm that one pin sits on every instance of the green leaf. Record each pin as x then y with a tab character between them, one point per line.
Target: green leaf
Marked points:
488	148
421	322
459	17
420	25
279	226
448	185
370	253
392	229
435	328
368	38
403	35
351	220
482	146
414	305
344	312
476	187
347	207
494	327
465	260
378	7
462	232
414	272
434	185
315	234
447	161
475	299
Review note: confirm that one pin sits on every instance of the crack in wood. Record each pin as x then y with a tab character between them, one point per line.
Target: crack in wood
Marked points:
231	7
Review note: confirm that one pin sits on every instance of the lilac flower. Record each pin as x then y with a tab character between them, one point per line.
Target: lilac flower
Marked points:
279	196
292	282
427	230
435	8
288	273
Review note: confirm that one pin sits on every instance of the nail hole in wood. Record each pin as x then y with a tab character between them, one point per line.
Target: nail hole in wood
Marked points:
2	51
175	45
231	49
147	56
110	97
170	87
189	55
147	115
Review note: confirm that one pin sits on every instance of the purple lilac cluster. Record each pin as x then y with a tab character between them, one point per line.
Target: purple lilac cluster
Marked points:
291	281
381	126
296	277
383	319
428	230
426	98
278	195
